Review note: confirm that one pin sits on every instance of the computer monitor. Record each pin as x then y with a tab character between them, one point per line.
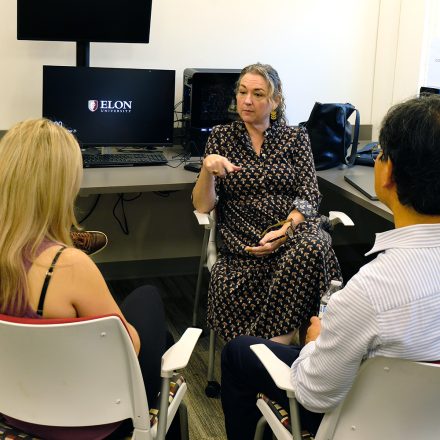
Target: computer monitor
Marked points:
110	106
113	21
429	91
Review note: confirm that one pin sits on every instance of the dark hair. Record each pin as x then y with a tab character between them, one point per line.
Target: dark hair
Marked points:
273	81
410	138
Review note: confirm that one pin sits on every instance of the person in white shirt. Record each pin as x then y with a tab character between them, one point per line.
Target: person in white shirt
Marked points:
389	308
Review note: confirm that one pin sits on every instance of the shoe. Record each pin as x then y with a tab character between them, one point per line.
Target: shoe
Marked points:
90	242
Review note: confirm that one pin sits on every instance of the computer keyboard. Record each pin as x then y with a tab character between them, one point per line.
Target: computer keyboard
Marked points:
143	158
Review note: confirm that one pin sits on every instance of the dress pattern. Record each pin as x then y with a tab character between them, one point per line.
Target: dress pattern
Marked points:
271	295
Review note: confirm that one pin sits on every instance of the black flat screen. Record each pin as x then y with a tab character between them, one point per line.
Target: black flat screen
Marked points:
109	106
117	21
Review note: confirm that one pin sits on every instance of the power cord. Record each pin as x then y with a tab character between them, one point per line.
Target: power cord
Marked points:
95	203
163	193
181	157
123	223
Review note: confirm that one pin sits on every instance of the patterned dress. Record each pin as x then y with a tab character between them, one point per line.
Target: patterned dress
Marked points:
271	295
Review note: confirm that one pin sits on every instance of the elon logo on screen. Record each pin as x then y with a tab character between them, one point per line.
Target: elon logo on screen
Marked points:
93	105
107	106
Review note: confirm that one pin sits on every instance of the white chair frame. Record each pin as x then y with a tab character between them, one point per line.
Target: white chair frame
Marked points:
390	399
84	373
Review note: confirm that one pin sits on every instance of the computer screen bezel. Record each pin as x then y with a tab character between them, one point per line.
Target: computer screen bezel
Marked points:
166	104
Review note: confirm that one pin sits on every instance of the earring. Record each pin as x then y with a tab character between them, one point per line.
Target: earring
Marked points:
273	115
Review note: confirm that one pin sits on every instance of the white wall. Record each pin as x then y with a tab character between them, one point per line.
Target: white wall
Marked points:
431	53
323	50
367	52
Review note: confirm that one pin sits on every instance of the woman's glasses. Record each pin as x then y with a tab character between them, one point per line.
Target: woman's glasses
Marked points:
289	231
275	226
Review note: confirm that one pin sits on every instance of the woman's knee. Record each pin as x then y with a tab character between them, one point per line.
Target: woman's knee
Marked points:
146	296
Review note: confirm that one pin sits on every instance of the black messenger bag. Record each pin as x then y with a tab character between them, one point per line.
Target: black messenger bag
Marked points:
331	134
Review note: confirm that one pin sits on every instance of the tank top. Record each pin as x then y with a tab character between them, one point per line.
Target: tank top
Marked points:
55	432
46	244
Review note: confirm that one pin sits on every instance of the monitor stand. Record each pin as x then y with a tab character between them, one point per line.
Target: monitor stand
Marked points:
83	53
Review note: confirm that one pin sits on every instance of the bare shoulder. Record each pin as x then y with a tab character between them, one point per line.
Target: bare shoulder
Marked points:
78	273
73	255
68	256
77	262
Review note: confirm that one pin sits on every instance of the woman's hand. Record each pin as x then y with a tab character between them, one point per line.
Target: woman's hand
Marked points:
214	165
269	243
219	166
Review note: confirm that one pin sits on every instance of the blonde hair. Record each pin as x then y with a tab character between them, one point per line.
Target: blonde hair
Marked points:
40	175
274	84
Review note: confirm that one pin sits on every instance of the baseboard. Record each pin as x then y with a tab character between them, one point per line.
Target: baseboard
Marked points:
149	268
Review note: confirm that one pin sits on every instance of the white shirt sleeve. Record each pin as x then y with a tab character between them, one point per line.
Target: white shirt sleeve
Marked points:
326	368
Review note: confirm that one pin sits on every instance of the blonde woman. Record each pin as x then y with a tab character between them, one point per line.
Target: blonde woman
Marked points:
41	273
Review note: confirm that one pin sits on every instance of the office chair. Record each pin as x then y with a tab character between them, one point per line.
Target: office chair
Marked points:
390	399
207	259
83	372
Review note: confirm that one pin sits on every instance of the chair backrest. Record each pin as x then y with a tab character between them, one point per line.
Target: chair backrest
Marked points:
77	372
391	399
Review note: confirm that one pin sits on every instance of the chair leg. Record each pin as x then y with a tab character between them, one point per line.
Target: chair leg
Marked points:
183	414
295	420
259	431
211	358
163	409
213	387
200	276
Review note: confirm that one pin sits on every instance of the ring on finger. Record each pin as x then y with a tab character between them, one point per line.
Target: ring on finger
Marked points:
215	172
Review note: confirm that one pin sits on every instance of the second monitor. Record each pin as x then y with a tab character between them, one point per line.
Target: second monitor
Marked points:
110	106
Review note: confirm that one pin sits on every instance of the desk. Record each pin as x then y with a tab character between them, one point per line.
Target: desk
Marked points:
369	217
139	179
166	178
162	226
333	180
165	228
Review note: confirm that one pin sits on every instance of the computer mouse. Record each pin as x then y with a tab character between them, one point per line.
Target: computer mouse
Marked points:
192	166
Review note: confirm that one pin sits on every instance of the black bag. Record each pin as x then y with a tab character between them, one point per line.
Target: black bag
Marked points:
331	134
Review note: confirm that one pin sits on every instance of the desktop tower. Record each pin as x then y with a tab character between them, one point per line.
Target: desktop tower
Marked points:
208	100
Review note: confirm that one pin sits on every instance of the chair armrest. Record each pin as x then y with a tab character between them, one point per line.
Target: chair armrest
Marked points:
177	356
278	370
204	219
336	217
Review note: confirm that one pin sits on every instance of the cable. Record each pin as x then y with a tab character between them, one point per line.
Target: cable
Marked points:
91	209
123	223
183	157
176	113
164	194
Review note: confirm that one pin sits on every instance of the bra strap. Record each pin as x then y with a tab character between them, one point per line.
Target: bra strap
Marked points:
47	281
